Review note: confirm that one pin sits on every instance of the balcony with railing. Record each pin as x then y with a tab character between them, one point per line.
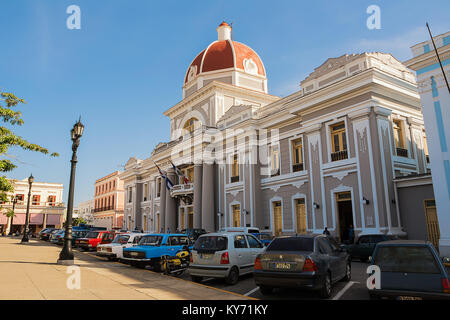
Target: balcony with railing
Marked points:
339	155
104	209
401	152
182	189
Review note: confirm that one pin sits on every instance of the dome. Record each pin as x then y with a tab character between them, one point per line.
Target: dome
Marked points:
225	54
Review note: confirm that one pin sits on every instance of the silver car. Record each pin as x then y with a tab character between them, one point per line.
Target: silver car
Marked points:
224	255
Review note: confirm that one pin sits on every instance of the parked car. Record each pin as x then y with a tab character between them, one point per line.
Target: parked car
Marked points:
152	247
264	237
78	234
193	234
45	233
52	233
306	262
114	250
224	255
57	237
240	229
364	246
94	238
410	270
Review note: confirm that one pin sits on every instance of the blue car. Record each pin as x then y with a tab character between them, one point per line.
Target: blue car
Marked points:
265	238
152	247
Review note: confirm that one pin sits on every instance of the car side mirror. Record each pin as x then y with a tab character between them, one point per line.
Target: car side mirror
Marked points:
370	259
446	261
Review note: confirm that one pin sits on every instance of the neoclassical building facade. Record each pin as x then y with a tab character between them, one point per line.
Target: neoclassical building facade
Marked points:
324	156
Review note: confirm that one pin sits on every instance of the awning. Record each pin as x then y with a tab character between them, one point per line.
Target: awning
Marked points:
3	218
19	218
36	218
54	219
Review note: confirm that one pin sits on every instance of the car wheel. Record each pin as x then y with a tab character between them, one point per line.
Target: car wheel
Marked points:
140	265
325	292
233	276
157	267
348	272
196	278
265	290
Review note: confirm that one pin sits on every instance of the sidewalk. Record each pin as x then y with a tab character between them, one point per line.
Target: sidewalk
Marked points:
29	271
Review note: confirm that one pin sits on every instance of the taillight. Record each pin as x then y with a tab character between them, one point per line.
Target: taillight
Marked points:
224	259
445	285
258	265
309	265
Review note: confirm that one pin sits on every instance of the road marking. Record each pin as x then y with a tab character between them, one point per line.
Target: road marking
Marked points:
251	291
340	293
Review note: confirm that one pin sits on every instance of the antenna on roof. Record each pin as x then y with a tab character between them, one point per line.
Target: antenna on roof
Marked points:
231	25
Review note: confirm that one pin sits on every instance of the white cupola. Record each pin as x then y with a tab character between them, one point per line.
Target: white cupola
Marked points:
224	31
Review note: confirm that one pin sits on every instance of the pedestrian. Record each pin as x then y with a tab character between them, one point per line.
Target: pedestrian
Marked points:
168	230
326	231
351	234
142	230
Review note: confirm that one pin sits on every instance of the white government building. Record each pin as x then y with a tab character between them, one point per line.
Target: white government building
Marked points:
324	156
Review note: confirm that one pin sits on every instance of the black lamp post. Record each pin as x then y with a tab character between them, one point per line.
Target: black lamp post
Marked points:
27	217
66	255
14	201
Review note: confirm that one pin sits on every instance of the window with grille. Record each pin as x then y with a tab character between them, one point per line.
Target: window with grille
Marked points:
338	142
297	155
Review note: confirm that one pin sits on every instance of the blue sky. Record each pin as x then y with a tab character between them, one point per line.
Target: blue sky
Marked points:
126	65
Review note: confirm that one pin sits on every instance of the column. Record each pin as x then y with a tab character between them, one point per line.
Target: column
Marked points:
208	212
198	173
162	206
171	206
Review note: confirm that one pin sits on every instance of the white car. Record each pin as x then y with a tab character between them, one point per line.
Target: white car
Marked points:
224	255
114	250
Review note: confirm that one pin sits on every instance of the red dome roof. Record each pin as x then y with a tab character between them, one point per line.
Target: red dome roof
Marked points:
223	55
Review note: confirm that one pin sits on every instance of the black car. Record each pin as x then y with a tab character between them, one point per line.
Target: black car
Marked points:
364	246
193	234
410	270
306	262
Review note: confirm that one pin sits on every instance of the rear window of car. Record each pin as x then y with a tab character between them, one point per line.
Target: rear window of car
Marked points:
211	243
151	241
121	239
92	235
291	244
407	259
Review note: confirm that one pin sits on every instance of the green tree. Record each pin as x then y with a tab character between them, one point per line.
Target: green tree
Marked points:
12	117
78	221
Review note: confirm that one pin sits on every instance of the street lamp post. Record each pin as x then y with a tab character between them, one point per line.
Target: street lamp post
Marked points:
66	255
14	201
27	217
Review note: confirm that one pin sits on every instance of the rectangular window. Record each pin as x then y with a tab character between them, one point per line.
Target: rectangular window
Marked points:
145	191
36	200
425	147
399	138
20	198
297	156
235	169
274	161
158	187
130	194
338	142
52	201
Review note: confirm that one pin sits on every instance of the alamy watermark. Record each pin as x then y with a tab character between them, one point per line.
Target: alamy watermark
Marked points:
74	20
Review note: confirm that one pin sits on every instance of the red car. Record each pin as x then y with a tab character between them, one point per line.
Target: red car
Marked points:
93	238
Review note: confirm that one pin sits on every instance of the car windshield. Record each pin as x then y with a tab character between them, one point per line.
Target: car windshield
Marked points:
151	241
213	243
291	244
79	234
92	235
121	239
408	259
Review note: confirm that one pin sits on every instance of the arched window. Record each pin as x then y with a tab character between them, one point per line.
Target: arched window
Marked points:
191	125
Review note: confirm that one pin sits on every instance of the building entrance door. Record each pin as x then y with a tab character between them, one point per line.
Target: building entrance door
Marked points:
236	215
300	213
182	219
345	215
277	219
432	222
191	217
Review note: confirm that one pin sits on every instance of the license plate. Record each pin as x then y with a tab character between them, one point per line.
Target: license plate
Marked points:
134	254
206	256
282	265
409	298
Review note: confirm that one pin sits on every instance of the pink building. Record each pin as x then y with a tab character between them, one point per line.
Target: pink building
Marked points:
108	202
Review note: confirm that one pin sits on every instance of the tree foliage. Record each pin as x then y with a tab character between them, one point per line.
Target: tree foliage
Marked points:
78	221
12	117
